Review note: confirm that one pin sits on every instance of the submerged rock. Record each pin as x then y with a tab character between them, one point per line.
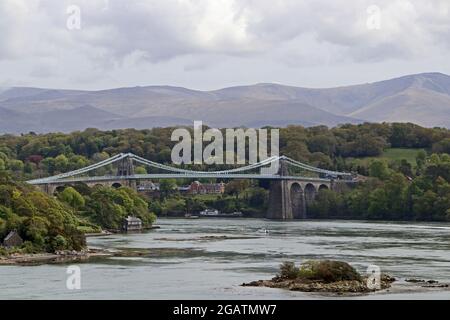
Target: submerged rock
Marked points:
414	280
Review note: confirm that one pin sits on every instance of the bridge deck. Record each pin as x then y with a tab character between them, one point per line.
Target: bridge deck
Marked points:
175	176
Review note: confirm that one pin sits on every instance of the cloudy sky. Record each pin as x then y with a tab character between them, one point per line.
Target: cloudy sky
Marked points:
209	44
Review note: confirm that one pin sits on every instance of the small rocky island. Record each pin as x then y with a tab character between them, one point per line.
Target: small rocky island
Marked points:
322	276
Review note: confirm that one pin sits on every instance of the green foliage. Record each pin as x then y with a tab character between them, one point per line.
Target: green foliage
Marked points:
108	207
251	201
174	206
42	221
167	187
442	146
393	196
32	156
399	154
236	187
379	169
326	202
140	170
71	197
288	270
327	271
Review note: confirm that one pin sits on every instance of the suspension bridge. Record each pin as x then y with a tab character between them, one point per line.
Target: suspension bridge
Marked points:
293	184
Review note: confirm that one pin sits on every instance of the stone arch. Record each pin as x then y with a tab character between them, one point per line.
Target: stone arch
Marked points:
310	193
323	187
297	201
116	185
96	185
59	189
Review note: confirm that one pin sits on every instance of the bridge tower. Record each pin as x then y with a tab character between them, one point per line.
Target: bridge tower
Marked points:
125	167
280	202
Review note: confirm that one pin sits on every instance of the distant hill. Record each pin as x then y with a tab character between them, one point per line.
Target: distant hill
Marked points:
422	98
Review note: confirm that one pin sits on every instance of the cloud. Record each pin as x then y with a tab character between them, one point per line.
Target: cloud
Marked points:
115	33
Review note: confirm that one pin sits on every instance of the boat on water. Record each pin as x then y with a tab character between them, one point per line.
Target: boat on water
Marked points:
213	213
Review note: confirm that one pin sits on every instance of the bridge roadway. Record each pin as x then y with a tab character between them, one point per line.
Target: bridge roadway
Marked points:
136	177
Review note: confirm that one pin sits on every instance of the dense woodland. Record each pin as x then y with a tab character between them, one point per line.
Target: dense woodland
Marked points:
396	189
33	155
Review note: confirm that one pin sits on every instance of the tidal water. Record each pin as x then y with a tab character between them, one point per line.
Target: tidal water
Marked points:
210	258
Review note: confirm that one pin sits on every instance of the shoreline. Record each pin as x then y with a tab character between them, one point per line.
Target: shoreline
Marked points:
63	256
104	233
49	258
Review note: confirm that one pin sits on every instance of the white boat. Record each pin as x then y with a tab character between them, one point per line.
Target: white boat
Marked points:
216	214
209	213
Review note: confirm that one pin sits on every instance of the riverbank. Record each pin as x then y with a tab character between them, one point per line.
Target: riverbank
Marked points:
57	257
111	232
63	256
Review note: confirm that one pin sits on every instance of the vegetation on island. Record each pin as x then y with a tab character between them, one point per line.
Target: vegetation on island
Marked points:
322	276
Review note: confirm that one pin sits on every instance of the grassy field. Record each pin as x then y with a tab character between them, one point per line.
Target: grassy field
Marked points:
396	154
401	153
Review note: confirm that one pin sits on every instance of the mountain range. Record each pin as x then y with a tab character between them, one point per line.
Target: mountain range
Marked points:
423	99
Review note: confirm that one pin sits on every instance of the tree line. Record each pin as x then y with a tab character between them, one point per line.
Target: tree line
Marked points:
34	155
392	193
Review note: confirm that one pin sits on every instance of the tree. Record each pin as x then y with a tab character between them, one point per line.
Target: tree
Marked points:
322	143
405	168
258	197
327	204
424	205
42	221
236	187
379	169
395	190
442	146
16	165
420	159
167	186
140	170
378	204
108	206
61	163
72	198
36	159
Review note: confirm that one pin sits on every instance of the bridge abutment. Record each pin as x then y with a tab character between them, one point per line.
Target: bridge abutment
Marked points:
279	201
